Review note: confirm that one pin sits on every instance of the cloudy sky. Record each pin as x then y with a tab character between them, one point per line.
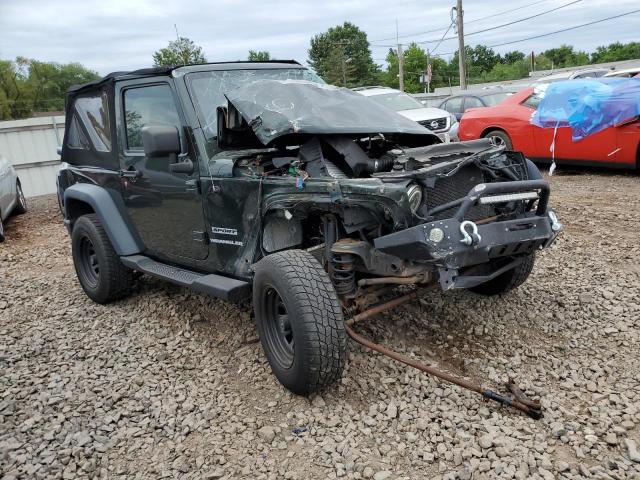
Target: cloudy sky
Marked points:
109	35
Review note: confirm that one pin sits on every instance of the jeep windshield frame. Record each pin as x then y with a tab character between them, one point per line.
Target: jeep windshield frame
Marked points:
207	88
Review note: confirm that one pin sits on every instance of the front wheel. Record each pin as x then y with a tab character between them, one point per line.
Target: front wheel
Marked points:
1	229
508	280
299	321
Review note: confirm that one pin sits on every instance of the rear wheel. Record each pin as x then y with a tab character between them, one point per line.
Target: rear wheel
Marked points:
500	138
21	201
508	280
102	275
299	321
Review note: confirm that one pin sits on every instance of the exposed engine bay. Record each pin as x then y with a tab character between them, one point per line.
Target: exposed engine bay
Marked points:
438	173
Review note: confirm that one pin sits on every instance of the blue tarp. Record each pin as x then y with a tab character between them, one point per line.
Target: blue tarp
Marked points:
588	106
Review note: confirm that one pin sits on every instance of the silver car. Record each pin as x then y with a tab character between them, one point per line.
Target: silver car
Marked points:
440	122
12	201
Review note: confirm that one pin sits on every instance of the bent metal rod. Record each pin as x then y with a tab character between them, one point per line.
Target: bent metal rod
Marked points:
519	401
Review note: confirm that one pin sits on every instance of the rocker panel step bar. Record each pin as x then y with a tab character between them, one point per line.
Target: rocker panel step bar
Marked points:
211	284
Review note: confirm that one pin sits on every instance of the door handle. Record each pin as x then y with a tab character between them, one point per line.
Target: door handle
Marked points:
132	173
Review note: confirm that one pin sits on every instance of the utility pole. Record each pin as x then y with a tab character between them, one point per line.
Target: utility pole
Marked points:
461	52
400	60
344	68
426	73
401	67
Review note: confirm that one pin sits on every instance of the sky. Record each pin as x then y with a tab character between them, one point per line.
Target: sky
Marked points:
108	35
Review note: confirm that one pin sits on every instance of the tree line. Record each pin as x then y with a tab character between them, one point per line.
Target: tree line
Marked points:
341	56
28	86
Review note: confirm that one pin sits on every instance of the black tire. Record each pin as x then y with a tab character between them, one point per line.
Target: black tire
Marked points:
1	229
508	280
299	320
21	202
500	138
102	275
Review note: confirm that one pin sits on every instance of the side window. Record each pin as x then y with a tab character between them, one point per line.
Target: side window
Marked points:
454	105
93	112
143	106
472	102
533	100
76	138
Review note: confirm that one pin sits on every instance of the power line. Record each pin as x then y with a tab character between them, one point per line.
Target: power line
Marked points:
557	31
515	21
441	40
468	21
503	25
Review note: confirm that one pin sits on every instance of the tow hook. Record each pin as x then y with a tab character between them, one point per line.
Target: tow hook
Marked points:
474	238
556	226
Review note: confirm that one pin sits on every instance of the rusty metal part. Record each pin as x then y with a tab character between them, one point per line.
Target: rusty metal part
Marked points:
519	401
381	308
520	396
390	280
486	220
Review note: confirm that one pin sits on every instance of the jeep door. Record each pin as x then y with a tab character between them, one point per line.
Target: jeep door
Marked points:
165	207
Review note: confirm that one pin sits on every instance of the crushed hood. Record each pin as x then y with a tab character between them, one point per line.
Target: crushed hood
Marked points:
276	108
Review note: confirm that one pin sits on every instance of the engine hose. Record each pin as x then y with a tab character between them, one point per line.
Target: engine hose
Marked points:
382	164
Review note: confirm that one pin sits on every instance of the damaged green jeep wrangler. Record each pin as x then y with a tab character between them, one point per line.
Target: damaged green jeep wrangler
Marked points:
257	179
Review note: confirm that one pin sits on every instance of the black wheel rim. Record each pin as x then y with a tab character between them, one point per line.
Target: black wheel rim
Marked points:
89	266
277	328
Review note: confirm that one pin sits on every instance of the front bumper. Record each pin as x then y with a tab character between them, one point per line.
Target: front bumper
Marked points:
450	134
455	243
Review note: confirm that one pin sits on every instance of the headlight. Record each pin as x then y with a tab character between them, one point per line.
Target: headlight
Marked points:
453	120
414	192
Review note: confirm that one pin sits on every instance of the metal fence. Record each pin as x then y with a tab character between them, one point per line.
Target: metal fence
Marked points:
30	145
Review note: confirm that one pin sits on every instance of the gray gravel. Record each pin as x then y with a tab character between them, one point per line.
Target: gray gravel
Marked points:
171	384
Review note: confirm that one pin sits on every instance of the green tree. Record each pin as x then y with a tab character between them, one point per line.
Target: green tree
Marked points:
28	85
566	56
482	57
342	53
415	64
615	52
259	56
14	94
513	57
49	82
179	52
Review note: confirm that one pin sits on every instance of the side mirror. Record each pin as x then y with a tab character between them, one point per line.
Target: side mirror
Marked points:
161	140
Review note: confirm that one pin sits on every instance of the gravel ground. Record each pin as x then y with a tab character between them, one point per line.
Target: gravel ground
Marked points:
171	384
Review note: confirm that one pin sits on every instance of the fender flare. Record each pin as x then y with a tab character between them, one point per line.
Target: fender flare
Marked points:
123	240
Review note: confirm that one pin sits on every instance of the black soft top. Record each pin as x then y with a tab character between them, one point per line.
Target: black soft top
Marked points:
155	71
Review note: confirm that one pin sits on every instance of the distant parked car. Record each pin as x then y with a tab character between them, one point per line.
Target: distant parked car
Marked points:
572	75
458	104
509	124
438	121
624	73
12	201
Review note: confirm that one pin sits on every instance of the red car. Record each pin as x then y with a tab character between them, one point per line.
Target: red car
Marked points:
509	123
